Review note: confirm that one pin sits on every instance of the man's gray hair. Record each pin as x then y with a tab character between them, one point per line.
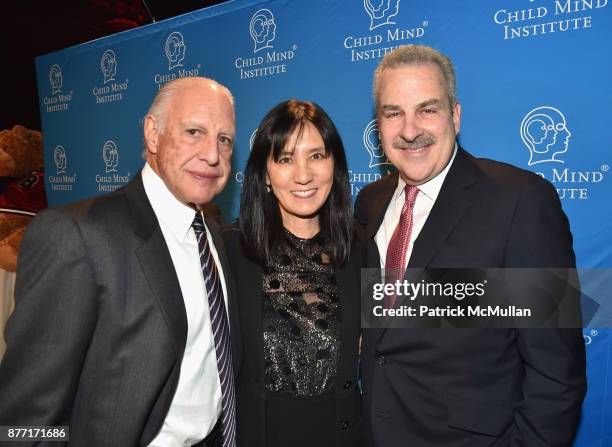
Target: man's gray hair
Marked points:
159	107
418	55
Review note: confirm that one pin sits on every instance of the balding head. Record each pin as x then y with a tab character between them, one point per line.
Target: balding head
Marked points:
189	134
159	106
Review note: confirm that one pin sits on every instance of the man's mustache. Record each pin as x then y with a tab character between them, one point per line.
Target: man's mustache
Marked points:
417	143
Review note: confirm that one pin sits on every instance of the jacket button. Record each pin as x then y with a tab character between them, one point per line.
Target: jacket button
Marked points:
344	425
382	360
347	384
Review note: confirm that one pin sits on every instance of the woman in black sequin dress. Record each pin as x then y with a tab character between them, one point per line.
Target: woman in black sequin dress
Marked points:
297	260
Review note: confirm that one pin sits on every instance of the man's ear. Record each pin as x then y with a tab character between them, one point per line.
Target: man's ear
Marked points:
457	117
151	133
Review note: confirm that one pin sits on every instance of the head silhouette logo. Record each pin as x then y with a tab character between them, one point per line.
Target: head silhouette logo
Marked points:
110	155
252	139
108	65
175	50
371	141
381	12
59	157
545	134
55	79
262	29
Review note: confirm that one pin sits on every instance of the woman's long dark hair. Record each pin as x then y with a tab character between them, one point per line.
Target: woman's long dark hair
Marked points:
260	217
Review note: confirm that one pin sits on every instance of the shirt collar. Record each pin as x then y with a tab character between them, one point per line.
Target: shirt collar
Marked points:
175	215
431	188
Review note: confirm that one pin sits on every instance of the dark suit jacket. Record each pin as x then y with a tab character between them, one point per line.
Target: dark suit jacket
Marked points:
475	387
99	329
344	406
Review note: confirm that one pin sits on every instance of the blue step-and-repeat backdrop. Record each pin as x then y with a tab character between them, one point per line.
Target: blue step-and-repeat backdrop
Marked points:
533	79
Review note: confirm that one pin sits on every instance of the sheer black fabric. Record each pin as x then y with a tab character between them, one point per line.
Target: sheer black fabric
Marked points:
301	317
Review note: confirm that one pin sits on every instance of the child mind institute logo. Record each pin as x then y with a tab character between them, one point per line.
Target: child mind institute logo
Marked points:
386	32
110	155
371	141
545	134
262	29
239	176
108	65
58	101
110	90
111	180
252	139
560	16
61	181
175	49
55	79
59	158
381	12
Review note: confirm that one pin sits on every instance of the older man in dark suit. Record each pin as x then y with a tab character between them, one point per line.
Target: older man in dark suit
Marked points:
124	326
445	208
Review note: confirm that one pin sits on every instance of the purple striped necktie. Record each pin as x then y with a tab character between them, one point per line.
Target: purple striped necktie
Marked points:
221	333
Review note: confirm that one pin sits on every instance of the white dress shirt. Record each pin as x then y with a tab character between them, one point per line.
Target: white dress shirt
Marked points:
197	401
426	197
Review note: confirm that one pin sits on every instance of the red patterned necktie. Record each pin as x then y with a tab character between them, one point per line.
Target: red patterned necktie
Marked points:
395	264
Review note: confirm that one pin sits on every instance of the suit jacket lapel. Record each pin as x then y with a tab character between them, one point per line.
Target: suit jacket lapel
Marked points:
376	215
379	207
231	294
450	206
156	264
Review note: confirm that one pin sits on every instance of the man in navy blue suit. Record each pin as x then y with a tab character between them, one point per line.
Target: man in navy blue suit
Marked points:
446	208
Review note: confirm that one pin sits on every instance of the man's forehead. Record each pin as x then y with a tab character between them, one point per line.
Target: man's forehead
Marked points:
200	100
424	78
192	93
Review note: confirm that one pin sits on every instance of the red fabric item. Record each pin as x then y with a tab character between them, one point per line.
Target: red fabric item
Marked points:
24	196
395	264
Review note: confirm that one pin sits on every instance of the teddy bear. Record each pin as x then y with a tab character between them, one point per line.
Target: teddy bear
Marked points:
22	188
20	200
21	151
22	195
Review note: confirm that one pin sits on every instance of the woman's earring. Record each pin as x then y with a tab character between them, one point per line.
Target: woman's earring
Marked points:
268	188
